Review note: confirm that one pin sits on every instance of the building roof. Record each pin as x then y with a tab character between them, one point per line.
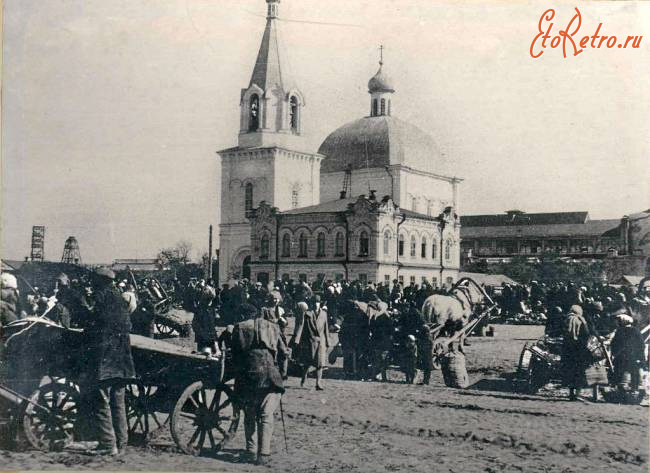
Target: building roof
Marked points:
381	141
338	205
589	228
271	66
521	218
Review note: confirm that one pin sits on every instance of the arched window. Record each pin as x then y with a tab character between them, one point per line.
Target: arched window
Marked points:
383	106
423	252
338	244
434	250
448	245
293	113
264	247
386	242
248	198
294	199
254	113
363	243
414	204
374	107
389	106
286	245
320	244
414	246
400	245
302	246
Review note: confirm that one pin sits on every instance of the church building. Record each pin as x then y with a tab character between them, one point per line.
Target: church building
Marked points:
376	202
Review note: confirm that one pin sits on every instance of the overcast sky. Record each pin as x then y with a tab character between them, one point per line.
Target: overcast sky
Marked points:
113	109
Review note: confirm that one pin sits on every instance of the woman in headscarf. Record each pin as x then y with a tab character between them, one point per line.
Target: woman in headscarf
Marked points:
311	338
576	357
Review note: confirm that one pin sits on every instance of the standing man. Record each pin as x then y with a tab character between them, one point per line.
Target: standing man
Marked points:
258	383
108	363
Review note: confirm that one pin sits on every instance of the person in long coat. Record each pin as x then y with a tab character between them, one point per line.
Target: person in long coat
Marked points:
575	358
628	352
311	338
109	365
256	342
355	331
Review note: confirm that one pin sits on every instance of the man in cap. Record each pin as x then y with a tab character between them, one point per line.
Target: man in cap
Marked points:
628	351
9	302
108	363
258	383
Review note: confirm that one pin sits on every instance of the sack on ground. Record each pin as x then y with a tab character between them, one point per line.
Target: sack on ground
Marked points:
454	371
596	374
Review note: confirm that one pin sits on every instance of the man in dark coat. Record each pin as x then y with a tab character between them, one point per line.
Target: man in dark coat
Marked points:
258	382
355	330
108	363
628	352
381	339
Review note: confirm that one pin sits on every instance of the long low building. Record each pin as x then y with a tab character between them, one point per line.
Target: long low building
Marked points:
499	237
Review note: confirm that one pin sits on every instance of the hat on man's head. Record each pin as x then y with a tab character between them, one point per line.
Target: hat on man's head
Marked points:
9	281
63	279
302	305
625	319
105	272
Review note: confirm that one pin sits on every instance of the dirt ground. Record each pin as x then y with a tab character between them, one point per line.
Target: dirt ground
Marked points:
370	426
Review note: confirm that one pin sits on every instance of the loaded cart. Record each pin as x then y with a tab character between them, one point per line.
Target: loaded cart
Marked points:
175	391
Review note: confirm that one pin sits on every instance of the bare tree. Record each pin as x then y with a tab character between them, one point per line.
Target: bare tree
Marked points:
177	255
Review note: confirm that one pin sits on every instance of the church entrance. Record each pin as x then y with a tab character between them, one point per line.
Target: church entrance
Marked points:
246	268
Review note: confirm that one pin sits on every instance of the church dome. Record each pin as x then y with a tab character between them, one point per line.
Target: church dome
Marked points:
380	82
376	142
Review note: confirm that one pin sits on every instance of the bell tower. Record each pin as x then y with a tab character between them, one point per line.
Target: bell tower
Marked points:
271	161
271	106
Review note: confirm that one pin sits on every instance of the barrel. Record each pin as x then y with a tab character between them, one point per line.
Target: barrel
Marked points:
454	371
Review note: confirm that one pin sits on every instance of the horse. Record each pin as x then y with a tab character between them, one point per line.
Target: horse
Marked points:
449	313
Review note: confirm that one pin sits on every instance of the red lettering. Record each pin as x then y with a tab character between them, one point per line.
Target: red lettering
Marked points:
566	35
593	38
611	42
584	41
554	43
603	38
548	16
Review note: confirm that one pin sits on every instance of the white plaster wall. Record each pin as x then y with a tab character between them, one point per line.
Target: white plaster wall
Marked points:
331	184
423	187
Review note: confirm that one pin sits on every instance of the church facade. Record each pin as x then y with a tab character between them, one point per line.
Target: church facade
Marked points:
376	202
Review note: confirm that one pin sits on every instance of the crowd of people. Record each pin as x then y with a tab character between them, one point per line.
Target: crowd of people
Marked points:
377	325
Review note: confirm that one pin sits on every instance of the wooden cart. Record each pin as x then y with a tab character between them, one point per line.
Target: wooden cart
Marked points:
175	389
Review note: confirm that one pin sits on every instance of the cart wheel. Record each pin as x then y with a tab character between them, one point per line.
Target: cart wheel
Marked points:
49	418
141	416
204	417
165	330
